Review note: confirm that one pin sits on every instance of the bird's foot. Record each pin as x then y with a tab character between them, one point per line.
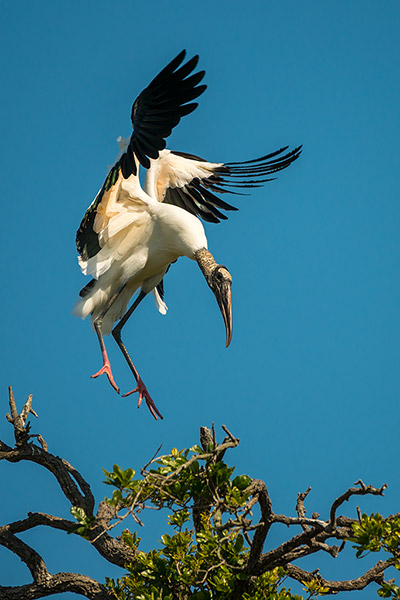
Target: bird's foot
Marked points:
106	368
143	393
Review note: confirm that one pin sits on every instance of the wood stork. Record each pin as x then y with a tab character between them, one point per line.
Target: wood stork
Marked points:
129	236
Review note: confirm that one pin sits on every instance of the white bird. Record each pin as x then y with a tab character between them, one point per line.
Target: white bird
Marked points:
129	236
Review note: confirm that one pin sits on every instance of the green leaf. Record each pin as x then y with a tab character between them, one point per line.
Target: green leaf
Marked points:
196	449
239	543
242	482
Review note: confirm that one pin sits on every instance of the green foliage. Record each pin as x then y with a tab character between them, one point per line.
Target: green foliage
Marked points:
389	590
374	533
202	563
205	553
315	588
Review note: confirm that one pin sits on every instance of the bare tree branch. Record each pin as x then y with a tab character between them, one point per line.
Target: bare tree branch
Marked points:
55	584
30	557
21	428
112	549
375	574
300	508
298	521
363	490
35	520
259	491
45	584
67	476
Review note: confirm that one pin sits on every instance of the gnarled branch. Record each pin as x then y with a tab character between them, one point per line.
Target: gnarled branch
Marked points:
78	493
55	584
375	574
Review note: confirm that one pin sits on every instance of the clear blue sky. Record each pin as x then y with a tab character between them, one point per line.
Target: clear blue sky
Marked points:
311	381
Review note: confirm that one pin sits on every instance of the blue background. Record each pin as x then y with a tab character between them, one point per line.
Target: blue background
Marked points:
310	383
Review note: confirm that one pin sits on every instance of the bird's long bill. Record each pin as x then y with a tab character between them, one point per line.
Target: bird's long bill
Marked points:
224	299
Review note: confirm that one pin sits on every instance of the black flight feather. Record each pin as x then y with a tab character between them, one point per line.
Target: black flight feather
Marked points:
198	196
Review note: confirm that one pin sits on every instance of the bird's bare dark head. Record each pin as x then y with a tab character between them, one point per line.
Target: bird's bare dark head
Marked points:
220	281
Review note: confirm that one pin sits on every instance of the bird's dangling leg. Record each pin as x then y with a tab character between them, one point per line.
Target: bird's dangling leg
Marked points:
141	388
106	368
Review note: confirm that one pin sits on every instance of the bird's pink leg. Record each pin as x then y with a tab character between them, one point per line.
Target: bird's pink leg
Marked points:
140	387
143	393
106	368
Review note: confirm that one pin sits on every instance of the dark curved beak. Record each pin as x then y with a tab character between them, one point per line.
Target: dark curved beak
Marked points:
224	299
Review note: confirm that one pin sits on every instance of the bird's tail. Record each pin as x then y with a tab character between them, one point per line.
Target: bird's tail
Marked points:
93	300
96	297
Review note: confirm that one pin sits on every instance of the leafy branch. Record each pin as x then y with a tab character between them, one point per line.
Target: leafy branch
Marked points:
215	547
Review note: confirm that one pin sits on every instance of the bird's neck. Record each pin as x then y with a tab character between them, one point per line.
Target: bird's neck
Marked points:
206	262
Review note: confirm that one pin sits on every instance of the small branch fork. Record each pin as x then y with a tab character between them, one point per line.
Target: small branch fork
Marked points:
313	538
21	428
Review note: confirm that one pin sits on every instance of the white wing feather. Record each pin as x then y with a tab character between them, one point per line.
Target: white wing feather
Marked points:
172	170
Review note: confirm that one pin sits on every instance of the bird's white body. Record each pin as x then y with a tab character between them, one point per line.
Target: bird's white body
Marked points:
129	236
140	237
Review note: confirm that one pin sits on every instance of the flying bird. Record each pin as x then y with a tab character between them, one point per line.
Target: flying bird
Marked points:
130	235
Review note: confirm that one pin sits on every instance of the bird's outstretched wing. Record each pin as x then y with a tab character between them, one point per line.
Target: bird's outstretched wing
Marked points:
159	108
192	183
155	112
